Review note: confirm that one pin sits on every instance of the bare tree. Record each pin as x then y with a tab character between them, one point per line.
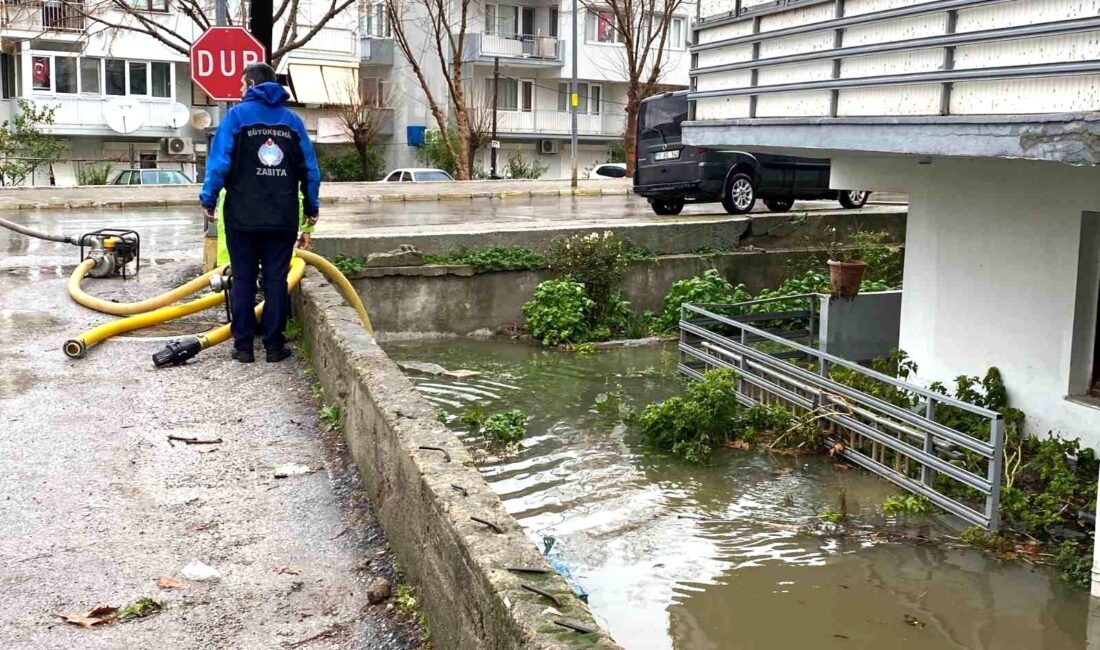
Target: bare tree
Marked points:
362	113
480	116
443	26
192	17
642	27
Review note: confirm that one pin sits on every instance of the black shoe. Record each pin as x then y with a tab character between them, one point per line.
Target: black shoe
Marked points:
244	356
275	356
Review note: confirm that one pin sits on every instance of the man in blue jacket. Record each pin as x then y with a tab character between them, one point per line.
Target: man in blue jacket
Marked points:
263	157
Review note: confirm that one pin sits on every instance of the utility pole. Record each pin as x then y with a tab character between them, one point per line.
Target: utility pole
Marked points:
260	19
493	144
573	103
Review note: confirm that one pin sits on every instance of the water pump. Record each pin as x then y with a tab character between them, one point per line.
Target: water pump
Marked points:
113	250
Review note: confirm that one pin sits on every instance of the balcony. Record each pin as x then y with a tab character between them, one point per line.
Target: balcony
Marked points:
49	16
375	50
328	43
514	49
547	123
75	115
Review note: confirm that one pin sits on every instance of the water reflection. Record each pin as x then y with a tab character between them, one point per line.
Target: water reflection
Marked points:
677	556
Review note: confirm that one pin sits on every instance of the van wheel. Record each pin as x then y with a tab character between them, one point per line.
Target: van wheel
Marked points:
853	198
779	205
739	195
667	207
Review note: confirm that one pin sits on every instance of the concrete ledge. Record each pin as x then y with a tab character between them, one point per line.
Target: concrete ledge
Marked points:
457	565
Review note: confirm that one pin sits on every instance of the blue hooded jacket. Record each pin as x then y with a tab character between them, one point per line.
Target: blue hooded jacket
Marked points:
263	157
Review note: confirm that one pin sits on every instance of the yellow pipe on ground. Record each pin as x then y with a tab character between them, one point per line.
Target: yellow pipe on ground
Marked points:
333	274
78	347
129	308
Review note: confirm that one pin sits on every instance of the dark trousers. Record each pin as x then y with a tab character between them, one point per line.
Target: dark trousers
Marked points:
247	251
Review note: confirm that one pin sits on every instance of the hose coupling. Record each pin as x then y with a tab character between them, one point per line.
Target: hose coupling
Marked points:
75	348
220	282
177	353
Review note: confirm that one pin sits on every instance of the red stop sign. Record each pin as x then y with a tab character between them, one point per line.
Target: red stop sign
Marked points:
218	59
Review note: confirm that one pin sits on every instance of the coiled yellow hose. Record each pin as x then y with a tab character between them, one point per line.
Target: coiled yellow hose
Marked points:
222	333
128	308
333	274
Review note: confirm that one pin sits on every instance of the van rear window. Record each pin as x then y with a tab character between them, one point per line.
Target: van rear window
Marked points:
664	116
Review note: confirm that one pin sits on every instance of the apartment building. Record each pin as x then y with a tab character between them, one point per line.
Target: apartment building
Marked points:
126	98
531	43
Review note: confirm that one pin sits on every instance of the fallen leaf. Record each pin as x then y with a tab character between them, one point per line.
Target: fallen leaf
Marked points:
739	444
97	616
168	582
289	570
836	449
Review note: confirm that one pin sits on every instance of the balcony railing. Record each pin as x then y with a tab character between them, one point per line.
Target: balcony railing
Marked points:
47	15
79	115
329	41
551	122
532	50
376	50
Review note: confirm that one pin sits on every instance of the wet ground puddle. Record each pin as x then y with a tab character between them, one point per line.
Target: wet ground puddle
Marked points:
681	556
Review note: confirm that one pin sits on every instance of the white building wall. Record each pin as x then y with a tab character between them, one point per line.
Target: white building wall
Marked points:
991	278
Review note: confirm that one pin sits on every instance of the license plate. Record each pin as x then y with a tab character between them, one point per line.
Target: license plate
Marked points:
666	155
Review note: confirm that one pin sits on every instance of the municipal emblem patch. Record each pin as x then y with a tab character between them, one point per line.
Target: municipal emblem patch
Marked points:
270	154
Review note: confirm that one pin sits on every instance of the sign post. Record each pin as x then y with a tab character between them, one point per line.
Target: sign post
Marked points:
218	59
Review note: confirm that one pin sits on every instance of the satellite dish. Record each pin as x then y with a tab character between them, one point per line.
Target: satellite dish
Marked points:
123	115
178	115
201	119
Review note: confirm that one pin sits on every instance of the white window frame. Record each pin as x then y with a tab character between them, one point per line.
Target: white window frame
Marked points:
102	92
592	17
681	42
493	29
588	104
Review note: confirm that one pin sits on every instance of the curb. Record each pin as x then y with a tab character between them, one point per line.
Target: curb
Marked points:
91	204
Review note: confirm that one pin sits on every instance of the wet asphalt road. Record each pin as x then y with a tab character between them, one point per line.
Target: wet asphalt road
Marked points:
97	504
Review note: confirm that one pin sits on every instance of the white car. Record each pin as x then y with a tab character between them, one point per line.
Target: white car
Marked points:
608	170
418	175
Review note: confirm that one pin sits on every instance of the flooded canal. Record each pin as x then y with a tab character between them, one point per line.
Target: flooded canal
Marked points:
687	557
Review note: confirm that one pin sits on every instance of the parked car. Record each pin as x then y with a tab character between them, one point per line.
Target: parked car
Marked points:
416	175
670	173
150	177
608	170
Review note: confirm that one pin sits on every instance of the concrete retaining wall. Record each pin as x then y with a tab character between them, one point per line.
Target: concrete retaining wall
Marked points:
457	565
453	300
668	237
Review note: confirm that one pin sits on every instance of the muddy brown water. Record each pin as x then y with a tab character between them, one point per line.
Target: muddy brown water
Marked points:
687	557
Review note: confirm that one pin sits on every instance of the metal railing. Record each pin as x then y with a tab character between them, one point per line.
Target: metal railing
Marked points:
547	122
530	49
46	15
900	439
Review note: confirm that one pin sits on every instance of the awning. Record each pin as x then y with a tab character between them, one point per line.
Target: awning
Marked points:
324	84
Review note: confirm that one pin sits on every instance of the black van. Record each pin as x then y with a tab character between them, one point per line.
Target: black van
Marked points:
670	173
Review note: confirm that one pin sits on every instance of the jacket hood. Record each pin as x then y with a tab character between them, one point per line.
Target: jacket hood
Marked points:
269	92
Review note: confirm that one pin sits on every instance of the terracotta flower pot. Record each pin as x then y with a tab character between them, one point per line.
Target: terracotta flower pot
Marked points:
845	277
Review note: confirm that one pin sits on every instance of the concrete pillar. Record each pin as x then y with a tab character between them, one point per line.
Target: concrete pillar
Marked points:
1094	605
27	70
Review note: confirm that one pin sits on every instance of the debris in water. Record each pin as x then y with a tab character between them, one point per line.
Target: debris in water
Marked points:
168	582
287	470
97	616
913	620
194	441
200	572
561	567
424	368
739	444
461	374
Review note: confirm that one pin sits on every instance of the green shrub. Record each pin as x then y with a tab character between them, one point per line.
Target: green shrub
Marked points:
433	153
519	166
93	173
690	426
884	260
906	503
348	265
559	312
598	262
505	428
709	288
1074	562
494	258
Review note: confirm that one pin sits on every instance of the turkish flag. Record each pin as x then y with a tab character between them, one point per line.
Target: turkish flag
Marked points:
41	73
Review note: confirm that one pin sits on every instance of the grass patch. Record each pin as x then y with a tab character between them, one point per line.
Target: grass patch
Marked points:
493	258
330	417
139	609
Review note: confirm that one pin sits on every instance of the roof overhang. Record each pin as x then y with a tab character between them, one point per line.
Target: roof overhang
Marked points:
1069	138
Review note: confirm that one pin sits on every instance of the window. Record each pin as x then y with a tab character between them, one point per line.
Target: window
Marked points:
139	78
501	19
676	33
527	97
115	76
396	176
7	76
123	178
148	161
584	92
378	23
135	178
198	96
148	5
600	28
554	19
162	79
507	93
90	83
430	176
662	117
40	73
406	177
64	74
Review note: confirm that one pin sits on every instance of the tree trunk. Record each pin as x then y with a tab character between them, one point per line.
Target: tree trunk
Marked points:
364	157
462	151
630	140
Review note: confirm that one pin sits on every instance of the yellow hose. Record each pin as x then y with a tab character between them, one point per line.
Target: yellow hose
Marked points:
78	347
336	277
222	333
128	308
